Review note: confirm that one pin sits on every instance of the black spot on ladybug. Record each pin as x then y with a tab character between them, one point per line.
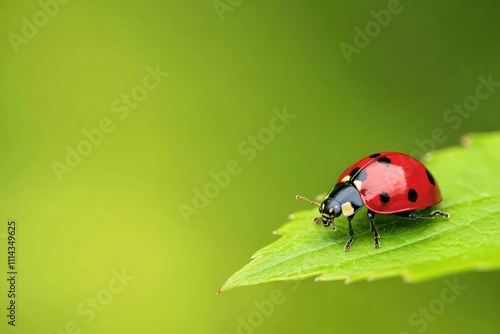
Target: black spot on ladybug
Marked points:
412	195
353	172
430	177
384	197
385	161
374	155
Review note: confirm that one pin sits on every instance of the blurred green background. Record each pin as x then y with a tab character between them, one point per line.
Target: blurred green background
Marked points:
114	244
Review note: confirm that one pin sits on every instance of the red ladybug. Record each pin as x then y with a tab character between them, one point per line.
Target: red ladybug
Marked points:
386	183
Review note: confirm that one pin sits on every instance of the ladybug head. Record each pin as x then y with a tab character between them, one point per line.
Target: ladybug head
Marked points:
329	210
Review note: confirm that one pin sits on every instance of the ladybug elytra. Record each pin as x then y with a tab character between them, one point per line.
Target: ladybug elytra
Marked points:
386	183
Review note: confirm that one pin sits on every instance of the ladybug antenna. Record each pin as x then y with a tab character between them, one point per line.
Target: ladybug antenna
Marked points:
308	200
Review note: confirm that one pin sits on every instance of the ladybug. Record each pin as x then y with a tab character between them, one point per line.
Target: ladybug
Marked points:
386	183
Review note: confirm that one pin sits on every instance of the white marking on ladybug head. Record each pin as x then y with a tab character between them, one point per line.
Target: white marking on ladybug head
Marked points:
347	209
331	210
345	178
357	184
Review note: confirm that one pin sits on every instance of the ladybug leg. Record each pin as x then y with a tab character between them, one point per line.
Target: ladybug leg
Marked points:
430	215
325	224
333	225
317	220
347	246
370	215
433	214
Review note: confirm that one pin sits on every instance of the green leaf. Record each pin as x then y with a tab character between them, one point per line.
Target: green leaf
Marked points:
416	250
